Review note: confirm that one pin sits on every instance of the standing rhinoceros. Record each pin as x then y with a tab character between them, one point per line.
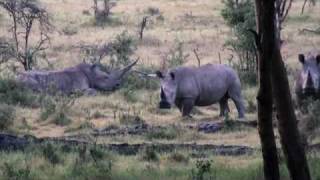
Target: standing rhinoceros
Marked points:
86	78
308	78
189	86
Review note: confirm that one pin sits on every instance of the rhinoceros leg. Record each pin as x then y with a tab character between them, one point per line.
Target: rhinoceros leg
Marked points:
224	108
186	106
235	95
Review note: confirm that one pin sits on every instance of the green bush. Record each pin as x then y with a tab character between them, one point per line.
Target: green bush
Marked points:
11	171
121	48
179	157
149	154
240	16
7	115
48	107
14	94
168	133
70	30
202	169
61	119
51	153
176	56
56	108
136	81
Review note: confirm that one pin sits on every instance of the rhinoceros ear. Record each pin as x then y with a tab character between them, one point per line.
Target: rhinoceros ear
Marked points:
301	58
159	74
318	59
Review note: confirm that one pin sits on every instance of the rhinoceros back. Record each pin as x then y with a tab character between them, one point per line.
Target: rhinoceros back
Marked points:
54	81
208	83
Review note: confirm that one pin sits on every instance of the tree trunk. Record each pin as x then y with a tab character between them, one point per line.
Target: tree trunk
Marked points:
264	98
269	50
287	122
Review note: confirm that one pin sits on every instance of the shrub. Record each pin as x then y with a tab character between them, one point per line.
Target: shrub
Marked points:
310	123
50	152
114	54
179	157
11	171
149	154
61	119
203	167
240	16
7	115
70	30
14	94
121	49
57	108
48	107
135	81
168	133
176	56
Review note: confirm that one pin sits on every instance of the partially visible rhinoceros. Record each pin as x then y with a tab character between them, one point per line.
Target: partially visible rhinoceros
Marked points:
190	86
308	78
86	78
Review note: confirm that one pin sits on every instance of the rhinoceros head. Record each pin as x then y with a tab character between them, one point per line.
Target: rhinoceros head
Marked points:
107	80
310	74
168	89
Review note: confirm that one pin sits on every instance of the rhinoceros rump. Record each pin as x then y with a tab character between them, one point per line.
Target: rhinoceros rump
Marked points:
189	86
87	78
308	78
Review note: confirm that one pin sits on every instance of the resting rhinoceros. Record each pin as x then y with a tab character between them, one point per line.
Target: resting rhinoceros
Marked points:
86	78
308	78
203	86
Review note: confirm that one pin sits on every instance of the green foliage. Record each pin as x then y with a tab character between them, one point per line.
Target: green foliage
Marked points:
51	153
14	94
137	81
129	119
168	133
70	30
56	108
149	154
7	115
203	168
240	16
121	48
179	157
48	107
310	124
61	119
13	172
176	56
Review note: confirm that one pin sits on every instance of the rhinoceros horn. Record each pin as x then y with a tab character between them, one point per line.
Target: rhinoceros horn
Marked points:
127	68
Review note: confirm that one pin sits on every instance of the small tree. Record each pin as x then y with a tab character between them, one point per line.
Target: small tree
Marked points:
240	16
117	52
24	15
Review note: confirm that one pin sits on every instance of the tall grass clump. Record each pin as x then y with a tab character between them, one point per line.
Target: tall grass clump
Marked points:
7	115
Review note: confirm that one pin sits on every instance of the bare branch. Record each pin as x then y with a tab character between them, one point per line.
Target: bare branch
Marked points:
24	14
197	57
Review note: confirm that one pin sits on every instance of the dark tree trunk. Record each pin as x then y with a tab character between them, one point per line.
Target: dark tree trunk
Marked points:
268	144
268	44
287	122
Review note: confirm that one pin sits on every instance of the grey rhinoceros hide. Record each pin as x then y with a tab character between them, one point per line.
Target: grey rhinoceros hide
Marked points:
190	86
308	77
86	78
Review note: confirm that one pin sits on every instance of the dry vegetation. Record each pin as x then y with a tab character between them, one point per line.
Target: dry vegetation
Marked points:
198	24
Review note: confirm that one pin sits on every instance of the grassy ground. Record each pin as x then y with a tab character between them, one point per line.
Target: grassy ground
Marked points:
59	162
198	24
